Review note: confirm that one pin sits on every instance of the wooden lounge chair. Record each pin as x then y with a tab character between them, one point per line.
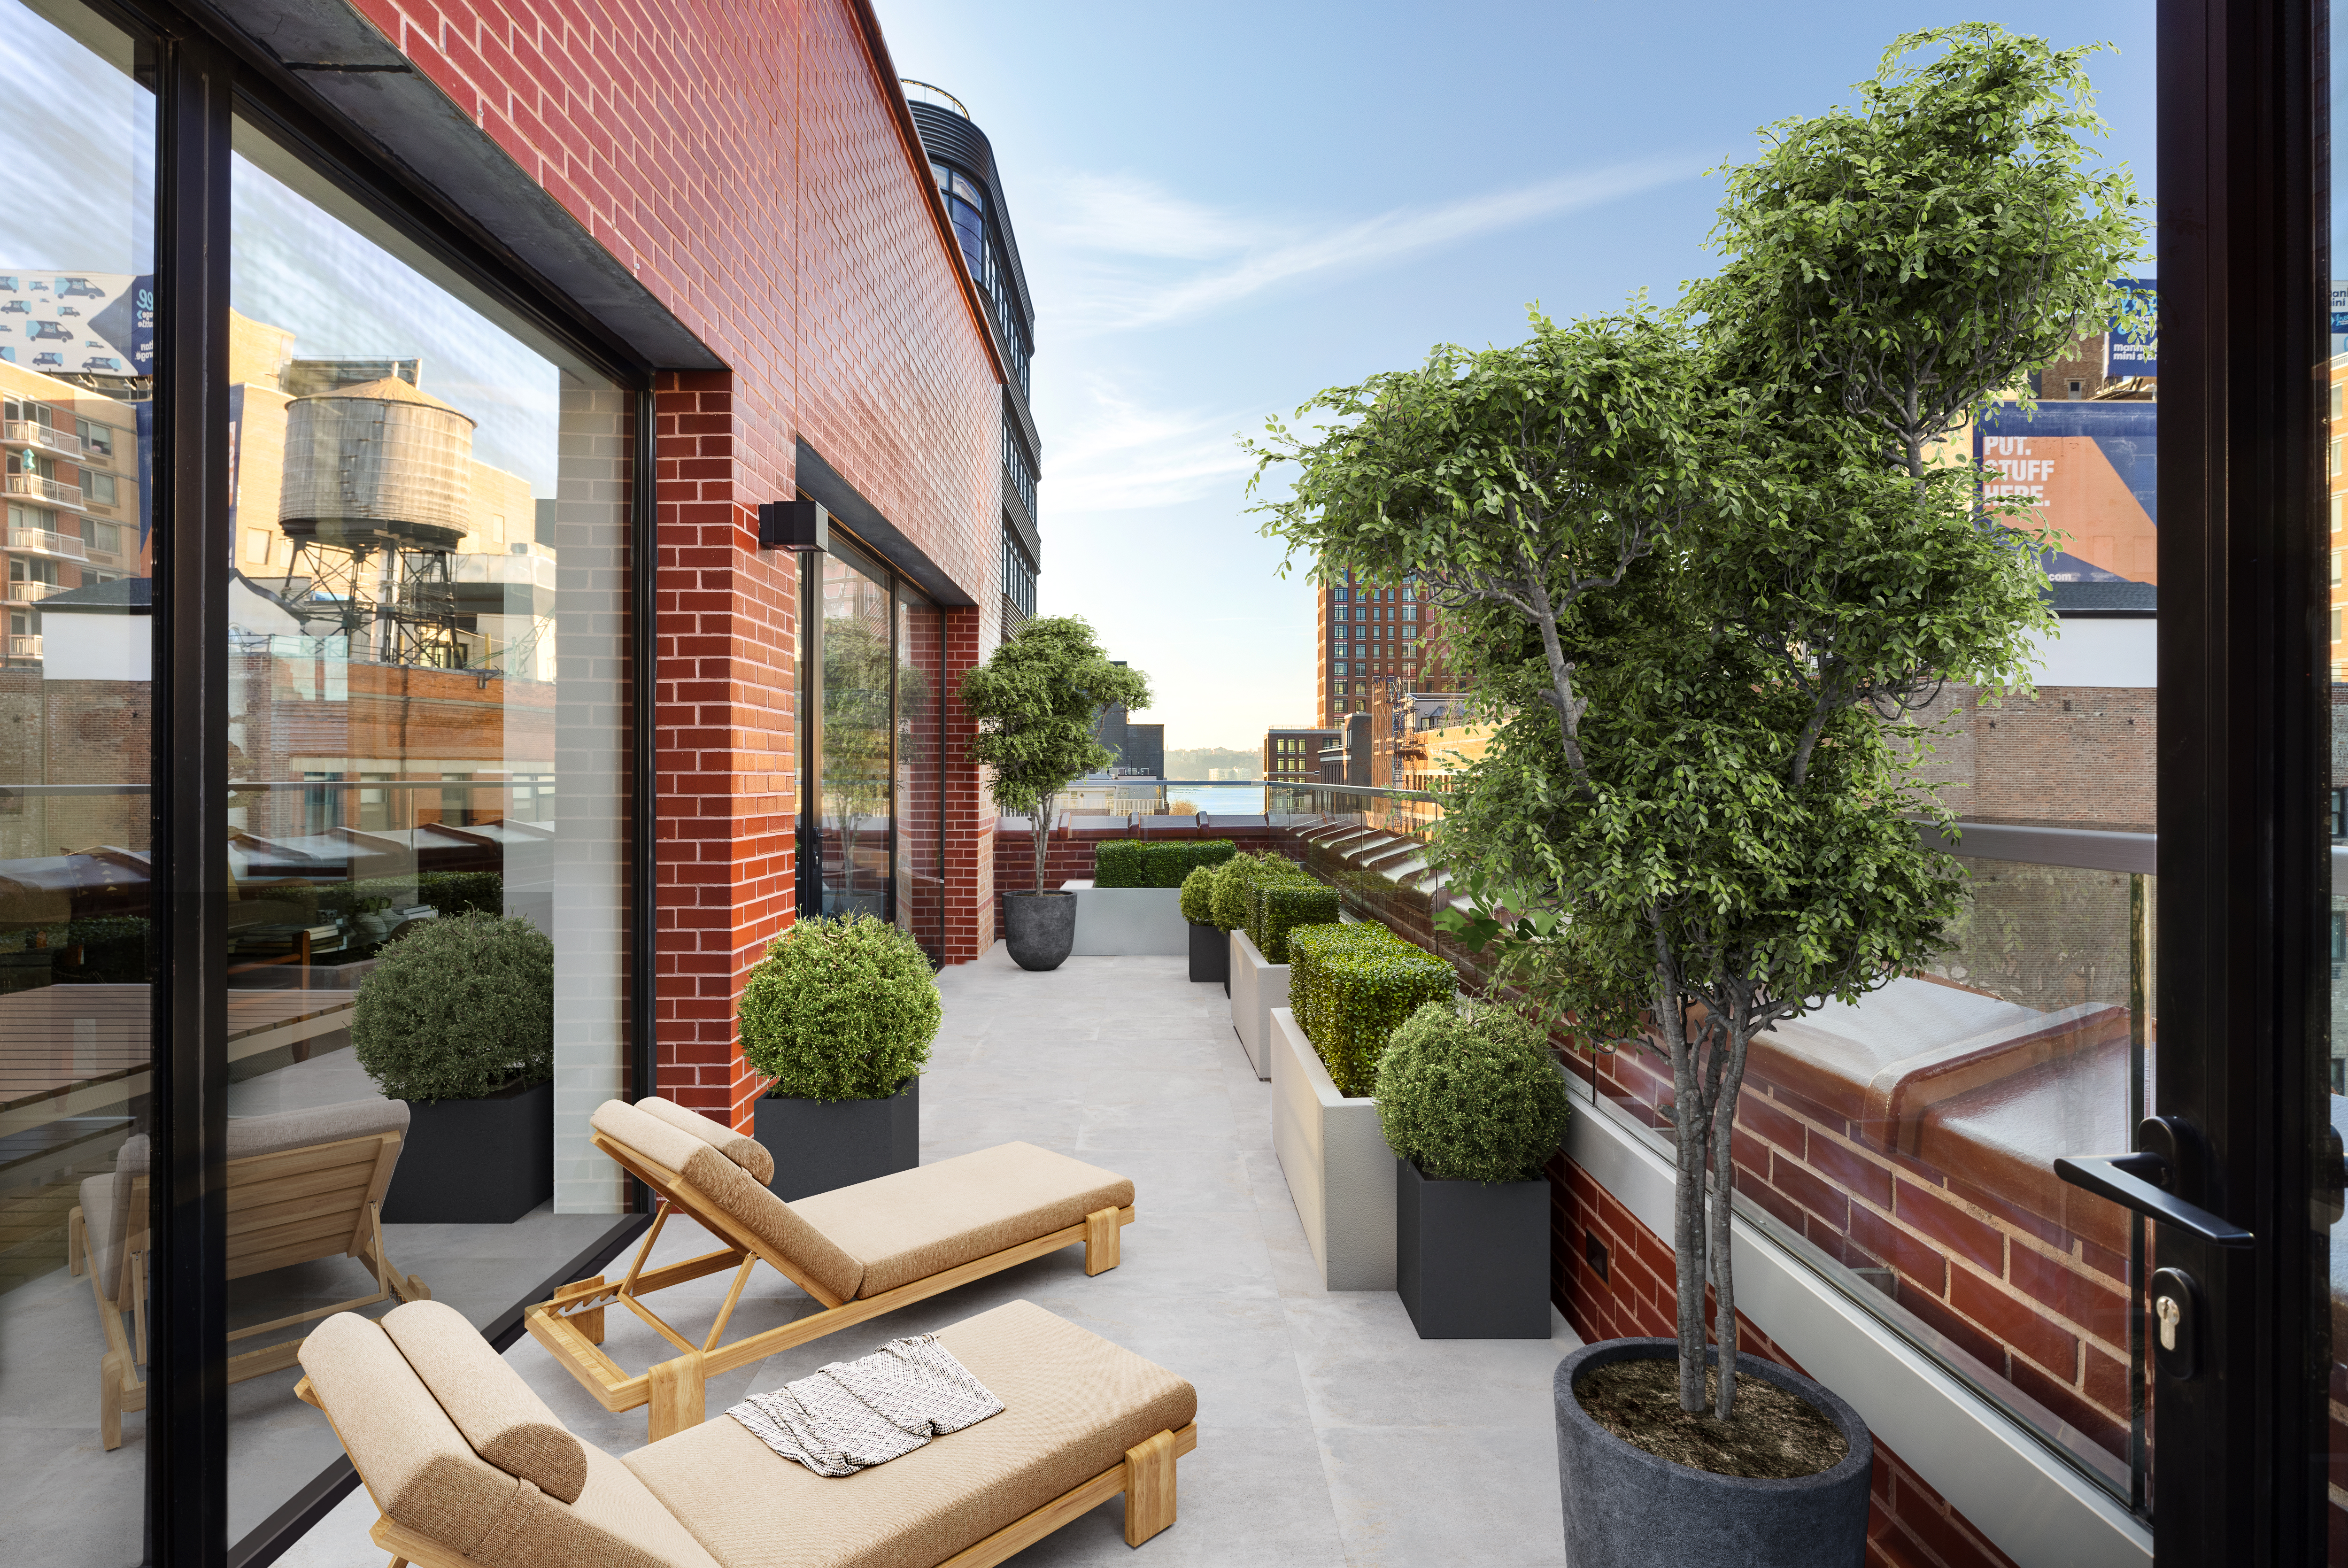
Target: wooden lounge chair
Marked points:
470	1468
301	1184
858	1251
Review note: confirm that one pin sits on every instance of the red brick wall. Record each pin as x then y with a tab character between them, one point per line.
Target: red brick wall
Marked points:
1909	1525
748	163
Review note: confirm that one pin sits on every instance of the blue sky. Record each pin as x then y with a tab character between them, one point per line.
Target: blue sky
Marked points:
1223	208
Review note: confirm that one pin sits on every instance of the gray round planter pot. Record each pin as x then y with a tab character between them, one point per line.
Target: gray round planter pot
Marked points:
820	1144
485	1162
1039	928
1625	1508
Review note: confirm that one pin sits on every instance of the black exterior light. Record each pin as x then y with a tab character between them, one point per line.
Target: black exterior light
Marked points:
797	525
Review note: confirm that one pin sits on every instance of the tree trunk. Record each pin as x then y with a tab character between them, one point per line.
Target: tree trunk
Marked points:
1724	1132
1042	836
1687	1197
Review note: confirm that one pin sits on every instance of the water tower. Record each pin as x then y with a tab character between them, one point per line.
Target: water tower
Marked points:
375	499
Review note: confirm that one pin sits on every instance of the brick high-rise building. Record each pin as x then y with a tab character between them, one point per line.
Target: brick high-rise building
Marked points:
1368	635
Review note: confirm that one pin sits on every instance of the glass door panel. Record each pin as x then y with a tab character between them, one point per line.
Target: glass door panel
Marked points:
76	772
426	840
858	736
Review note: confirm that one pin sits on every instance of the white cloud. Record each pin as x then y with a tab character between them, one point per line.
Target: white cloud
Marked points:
1119	456
1124	239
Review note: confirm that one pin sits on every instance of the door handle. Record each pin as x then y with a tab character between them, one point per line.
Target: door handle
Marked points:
2140	1181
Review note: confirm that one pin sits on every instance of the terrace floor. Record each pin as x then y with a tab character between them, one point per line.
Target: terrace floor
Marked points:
1330	1433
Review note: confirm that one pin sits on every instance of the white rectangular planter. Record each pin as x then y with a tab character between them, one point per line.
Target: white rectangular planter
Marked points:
1339	1170
1257	988
1128	922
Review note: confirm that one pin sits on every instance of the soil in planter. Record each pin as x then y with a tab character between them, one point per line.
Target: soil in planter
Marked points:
1775	1435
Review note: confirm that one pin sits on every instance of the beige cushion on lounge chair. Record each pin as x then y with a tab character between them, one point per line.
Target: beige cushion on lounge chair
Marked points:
425	1478
1073	1404
730	1187
923	1222
499	1415
743	1150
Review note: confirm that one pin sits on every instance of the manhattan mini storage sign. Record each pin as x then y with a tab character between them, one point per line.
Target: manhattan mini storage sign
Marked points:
2089	469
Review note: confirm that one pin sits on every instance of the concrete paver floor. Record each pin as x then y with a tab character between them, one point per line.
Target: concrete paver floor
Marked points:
1330	1433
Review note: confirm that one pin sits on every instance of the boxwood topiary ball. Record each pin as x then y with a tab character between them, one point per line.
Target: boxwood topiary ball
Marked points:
1198	895
459	1007
841	1009
1471	1097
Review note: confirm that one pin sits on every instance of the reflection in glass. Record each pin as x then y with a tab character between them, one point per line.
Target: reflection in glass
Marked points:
77	715
426	723
858	732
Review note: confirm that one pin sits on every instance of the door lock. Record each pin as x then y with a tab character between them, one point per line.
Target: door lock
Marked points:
2177	1309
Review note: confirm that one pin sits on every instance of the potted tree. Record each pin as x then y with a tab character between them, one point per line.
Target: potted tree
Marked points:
840	1016
1473	1105
1036	701
1702	564
457	1018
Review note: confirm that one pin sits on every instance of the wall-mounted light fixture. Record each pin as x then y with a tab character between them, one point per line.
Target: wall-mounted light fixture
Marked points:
801	525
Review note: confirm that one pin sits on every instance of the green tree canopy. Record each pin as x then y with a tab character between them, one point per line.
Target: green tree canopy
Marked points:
1036	701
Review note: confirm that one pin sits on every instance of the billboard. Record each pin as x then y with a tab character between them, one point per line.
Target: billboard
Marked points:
99	323
2089	470
2132	345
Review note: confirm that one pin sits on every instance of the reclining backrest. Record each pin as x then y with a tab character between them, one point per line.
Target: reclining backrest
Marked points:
728	1187
745	1151
499	1415
425	1478
114	1207
334	1157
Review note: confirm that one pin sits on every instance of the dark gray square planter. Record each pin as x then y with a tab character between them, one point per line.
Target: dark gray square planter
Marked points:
1210	955
821	1144
1471	1258
485	1162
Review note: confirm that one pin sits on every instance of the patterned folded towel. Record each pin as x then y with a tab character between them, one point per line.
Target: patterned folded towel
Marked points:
855	1414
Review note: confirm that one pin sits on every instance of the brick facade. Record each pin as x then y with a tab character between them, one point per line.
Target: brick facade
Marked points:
754	168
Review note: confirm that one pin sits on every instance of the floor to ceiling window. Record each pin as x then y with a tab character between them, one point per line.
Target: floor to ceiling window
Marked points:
415	900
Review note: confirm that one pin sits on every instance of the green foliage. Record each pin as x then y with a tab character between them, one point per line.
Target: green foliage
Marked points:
1198	895
458	1008
1311	946
1036	701
1361	992
1471	1096
839	1009
1277	907
1905	259
450	893
1240	874
1696	567
1156	863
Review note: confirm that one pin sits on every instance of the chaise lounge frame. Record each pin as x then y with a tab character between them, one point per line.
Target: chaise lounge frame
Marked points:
291	1206
569	1324
1146	1477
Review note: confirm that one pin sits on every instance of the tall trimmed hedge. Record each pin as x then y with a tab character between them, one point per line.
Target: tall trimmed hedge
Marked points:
1358	992
1242	873
1278	907
1310	946
1156	863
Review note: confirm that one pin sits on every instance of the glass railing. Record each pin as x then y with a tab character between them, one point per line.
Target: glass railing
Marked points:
1278	804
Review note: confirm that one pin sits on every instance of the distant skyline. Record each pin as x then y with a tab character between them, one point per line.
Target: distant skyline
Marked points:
1220	218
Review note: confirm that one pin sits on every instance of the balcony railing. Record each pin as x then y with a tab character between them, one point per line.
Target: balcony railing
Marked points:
33	487
41	541
23	647
30	593
47	438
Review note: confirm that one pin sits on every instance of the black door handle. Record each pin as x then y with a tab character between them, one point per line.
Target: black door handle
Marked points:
2138	1181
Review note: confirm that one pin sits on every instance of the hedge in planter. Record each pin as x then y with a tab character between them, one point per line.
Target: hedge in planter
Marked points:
1199	896
1309	946
839	1009
1156	863
1471	1096
1360	993
1242	873
1279	907
458	1008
